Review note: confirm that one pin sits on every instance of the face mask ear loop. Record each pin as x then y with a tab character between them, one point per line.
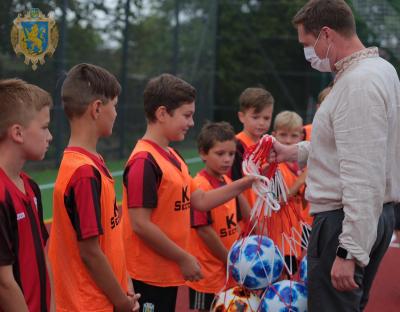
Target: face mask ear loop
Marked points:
327	52
316	41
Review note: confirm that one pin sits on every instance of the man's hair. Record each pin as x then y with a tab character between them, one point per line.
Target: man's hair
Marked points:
19	103
166	90
335	14
213	132
84	84
256	98
322	95
288	120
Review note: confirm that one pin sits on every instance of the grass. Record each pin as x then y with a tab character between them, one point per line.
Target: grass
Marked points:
47	177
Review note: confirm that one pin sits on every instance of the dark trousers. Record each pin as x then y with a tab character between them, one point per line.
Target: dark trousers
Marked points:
324	239
154	298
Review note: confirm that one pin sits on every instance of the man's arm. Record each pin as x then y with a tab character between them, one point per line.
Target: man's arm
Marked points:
159	242
360	128
102	274
11	297
205	201
213	242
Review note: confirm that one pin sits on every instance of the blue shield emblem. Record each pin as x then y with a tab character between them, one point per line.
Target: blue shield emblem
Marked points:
35	36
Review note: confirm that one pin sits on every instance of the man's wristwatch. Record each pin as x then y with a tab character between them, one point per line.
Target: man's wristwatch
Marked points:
343	253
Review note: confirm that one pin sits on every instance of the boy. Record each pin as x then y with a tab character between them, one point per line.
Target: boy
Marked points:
158	193
86	246
24	135
255	113
288	129
214	232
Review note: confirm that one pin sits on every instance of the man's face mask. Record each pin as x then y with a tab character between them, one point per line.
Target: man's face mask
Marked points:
316	63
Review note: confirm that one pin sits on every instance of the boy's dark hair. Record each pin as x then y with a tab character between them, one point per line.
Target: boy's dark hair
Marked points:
19	103
169	91
213	132
256	98
84	84
335	14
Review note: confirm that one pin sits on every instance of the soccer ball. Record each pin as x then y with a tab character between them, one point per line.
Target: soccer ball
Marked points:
254	262
285	296
303	269
236	299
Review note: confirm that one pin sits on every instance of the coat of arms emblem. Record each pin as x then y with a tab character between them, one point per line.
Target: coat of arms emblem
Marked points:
35	36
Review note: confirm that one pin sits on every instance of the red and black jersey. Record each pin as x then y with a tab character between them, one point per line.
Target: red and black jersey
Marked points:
23	236
142	177
82	196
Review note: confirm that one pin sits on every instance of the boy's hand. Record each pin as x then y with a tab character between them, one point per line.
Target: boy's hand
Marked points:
190	268
135	300
128	305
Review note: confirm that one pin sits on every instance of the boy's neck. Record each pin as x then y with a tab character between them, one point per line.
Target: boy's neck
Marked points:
83	136
252	137
154	134
214	174
12	162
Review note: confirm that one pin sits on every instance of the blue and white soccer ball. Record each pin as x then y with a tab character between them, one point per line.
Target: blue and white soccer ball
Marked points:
254	262
303	269
285	296
236	299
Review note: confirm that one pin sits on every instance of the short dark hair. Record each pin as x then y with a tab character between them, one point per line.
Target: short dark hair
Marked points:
256	98
19	102
166	90
213	132
84	84
335	14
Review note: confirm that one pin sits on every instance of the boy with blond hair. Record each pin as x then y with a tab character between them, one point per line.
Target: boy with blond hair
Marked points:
158	196
288	130
255	113
24	135
86	245
214	232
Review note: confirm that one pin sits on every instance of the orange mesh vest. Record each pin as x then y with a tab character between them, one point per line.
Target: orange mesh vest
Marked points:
287	217
224	222
307	130
75	289
247	142
172	216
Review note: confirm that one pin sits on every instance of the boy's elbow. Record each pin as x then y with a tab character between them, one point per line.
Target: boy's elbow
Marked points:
139	226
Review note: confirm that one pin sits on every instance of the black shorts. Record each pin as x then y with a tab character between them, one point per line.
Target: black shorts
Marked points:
199	300
155	298
397	217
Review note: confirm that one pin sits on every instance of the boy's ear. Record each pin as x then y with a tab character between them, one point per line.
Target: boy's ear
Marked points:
241	116
202	155
15	132
161	113
95	108
273	133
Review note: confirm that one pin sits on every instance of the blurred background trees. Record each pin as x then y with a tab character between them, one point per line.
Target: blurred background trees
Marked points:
220	46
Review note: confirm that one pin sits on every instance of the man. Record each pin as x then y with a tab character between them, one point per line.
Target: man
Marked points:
353	176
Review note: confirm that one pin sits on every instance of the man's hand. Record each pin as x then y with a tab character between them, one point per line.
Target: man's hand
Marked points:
342	274
190	268
282	152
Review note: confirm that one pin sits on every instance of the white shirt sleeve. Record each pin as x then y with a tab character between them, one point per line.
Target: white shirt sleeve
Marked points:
303	152
361	130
